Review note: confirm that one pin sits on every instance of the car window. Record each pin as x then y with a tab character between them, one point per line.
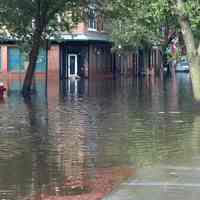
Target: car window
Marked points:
184	63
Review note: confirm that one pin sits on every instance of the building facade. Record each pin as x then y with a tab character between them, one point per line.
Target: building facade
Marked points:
139	62
85	53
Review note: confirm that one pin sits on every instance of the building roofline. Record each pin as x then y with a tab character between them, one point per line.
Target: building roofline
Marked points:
71	37
88	36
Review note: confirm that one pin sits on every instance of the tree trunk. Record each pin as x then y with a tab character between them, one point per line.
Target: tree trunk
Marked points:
186	30
192	51
40	24
195	76
33	55
198	50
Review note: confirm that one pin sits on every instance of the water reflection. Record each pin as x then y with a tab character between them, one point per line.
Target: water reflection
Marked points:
74	87
84	138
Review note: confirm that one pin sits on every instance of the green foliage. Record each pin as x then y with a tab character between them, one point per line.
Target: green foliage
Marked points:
21	18
130	22
139	22
193	12
32	22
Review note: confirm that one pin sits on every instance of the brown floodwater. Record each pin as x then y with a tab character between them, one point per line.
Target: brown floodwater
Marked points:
81	139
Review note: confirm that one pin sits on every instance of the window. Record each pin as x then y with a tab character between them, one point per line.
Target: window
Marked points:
15	59
92	21
18	60
41	61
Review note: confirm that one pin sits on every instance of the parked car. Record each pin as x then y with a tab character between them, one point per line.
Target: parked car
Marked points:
182	66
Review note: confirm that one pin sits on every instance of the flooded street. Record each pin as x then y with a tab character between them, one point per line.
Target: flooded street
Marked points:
83	139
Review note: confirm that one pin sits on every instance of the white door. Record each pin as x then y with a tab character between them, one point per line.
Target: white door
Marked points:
72	65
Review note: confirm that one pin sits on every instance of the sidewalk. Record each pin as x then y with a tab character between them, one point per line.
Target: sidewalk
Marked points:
167	183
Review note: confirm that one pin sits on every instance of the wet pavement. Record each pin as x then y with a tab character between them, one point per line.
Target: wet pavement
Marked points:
161	183
119	139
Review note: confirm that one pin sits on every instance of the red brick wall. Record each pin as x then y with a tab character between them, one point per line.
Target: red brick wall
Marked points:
83	27
53	60
80	28
53	71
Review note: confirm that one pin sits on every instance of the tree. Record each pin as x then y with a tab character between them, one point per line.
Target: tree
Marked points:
140	21
34	21
189	20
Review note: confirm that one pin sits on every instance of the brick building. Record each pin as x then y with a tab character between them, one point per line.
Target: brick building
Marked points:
85	52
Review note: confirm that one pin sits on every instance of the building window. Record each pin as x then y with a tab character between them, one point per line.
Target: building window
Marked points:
15	60
41	61
92	21
18	60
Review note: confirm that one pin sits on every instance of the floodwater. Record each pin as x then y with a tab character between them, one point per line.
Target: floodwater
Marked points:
81	140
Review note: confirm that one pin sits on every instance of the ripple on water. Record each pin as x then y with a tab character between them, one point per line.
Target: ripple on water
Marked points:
86	145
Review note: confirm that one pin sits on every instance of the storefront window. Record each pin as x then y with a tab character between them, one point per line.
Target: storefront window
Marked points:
18	60
15	60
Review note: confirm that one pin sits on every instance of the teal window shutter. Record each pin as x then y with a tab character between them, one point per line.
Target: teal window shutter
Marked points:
15	60
41	61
